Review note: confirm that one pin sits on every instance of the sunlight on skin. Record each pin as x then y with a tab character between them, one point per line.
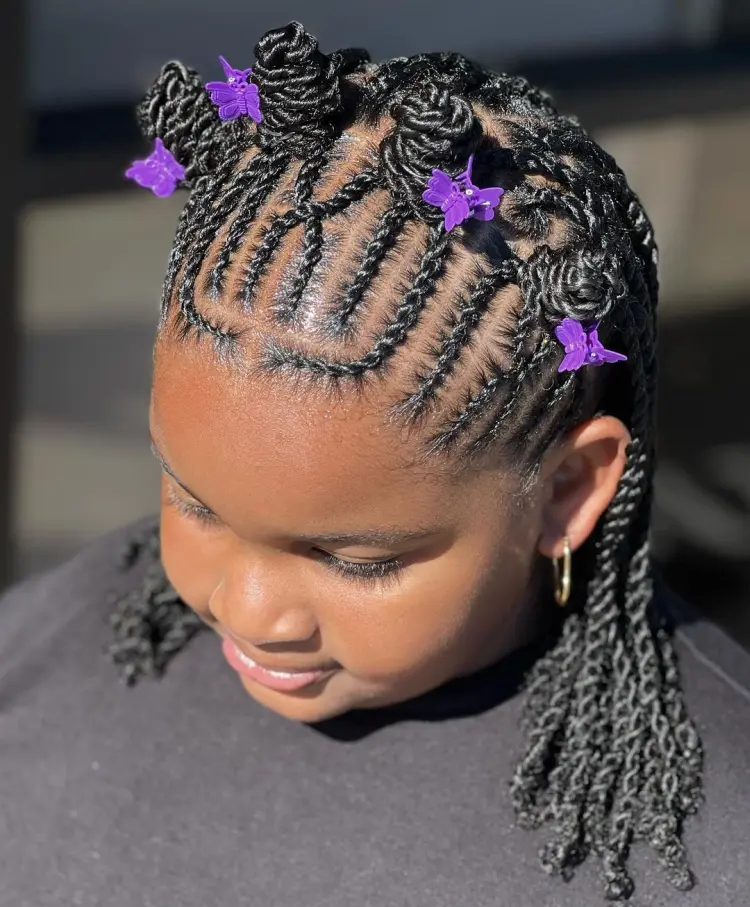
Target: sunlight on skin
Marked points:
256	472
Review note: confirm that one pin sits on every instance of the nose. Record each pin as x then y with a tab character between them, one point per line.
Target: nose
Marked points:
262	613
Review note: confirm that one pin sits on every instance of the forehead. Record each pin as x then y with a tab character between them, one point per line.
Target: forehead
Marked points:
215	426
244	443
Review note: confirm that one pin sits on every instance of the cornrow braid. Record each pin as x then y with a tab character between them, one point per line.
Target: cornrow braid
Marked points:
254	183
471	311
383	239
611	755
280	226
302	91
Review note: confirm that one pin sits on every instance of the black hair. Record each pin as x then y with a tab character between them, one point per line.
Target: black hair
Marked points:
323	201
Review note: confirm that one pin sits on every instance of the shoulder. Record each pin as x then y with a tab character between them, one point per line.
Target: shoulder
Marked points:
43	605
715	675
704	642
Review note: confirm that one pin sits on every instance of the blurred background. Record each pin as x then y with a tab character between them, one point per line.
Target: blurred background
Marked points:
664	85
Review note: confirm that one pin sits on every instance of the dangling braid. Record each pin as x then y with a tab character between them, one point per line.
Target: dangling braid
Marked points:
611	754
151	624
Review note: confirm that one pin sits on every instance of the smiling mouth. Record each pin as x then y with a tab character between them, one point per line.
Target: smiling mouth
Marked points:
281	672
291	672
272	678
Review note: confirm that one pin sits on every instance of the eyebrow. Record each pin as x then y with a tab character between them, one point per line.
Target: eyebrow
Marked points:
387	537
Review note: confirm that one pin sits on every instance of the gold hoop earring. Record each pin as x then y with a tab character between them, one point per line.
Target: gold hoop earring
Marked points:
563	582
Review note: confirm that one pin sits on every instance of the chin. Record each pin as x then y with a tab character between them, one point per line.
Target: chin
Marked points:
304	706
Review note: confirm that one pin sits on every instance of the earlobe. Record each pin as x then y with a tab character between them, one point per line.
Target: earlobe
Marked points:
583	476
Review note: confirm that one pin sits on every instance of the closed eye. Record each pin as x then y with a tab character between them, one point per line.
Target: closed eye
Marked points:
377	570
190	509
389	570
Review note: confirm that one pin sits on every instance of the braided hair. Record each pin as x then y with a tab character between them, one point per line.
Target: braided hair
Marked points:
318	210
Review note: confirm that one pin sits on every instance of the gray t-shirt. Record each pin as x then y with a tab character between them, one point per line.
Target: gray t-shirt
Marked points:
184	792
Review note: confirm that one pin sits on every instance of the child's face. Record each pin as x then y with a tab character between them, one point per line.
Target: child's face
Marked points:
272	470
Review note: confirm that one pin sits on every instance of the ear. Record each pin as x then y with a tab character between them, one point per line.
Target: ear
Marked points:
580	478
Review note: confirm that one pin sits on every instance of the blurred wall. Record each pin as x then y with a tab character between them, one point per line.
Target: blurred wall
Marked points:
81	51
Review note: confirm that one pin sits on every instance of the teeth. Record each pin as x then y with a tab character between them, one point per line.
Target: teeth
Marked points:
251	664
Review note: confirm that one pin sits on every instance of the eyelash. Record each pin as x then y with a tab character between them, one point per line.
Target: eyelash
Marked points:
381	571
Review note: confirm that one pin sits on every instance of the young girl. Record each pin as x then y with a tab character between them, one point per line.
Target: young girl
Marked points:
403	401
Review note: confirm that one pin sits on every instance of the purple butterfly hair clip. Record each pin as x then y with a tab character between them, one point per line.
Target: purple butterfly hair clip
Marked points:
582	346
459	199
236	97
160	172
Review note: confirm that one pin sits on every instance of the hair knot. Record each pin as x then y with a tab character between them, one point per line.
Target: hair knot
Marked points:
394	79
178	110
435	128
584	284
300	88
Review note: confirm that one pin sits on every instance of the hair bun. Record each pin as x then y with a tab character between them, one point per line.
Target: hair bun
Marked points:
178	110
300	88
435	128
584	284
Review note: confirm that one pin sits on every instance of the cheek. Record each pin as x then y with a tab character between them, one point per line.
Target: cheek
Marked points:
444	613
435	623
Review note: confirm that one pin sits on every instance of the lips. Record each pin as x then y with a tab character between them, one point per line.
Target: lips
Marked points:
281	669
273	678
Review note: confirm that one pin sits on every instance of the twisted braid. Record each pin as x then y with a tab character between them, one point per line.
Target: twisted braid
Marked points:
300	87
151	624
396	78
177	110
611	754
